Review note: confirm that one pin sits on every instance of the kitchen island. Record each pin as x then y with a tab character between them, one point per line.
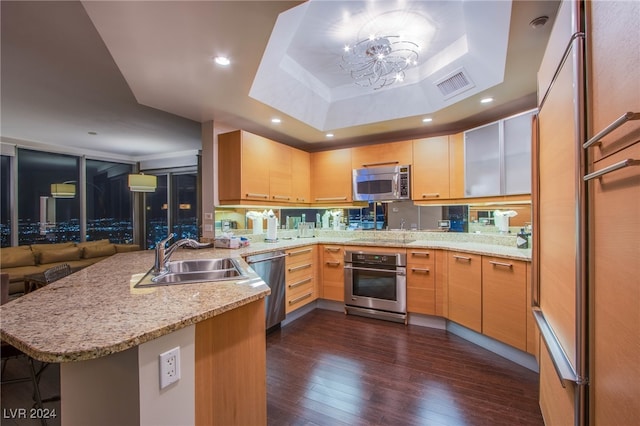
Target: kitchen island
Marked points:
108	335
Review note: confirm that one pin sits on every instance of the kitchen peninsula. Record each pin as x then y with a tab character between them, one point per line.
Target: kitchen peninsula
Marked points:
107	336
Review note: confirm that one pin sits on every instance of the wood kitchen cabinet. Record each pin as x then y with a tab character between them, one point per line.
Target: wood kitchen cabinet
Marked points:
300	273
421	283
331	177
332	272
504	301
301	176
613	55
253	169
385	154
431	169
464	288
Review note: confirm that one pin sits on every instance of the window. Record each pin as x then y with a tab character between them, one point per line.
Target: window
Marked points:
109	202
173	206
5	201
46	216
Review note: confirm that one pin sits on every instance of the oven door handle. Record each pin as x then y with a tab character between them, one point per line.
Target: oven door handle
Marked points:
391	271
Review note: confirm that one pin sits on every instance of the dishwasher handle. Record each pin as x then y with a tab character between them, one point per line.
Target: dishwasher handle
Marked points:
251	262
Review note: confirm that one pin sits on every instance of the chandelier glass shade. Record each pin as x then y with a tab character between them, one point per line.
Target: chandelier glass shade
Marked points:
379	61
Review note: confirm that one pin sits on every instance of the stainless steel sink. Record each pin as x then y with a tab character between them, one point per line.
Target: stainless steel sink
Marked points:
194	271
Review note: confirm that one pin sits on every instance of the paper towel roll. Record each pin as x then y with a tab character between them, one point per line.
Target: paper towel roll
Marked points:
257	225
272	228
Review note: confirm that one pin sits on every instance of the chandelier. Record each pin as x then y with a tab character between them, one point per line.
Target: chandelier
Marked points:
379	61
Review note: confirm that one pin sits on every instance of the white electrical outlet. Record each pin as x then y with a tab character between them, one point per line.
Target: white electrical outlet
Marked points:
169	367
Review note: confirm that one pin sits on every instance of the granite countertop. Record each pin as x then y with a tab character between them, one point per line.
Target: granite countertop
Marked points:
97	311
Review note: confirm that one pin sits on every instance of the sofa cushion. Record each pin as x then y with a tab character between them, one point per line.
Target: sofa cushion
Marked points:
55	246
93	243
60	255
125	248
11	257
98	250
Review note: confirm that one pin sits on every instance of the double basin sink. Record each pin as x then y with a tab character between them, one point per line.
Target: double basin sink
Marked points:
194	271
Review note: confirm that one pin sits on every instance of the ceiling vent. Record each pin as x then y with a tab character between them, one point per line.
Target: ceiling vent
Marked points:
454	83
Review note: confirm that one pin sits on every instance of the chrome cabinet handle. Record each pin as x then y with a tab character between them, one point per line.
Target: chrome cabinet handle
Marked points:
431	195
506	265
468	259
295	253
612	168
420	253
332	263
297	268
299	283
332	199
380	164
299	299
627	116
253	195
332	249
281	197
425	270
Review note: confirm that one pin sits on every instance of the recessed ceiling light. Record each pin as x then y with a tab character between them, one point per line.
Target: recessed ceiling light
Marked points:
539	21
329	135
276	121
222	60
427	120
92	133
486	100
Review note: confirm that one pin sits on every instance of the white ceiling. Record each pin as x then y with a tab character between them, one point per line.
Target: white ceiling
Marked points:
140	73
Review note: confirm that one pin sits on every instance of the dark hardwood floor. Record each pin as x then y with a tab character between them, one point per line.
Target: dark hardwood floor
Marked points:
330	369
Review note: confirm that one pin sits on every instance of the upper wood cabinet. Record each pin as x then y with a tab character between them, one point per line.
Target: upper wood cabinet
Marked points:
431	168
301	176
385	154
253	169
331	176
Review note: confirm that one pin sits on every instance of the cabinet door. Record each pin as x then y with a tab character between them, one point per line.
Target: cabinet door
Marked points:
517	154
482	161
430	171
615	283
280	176
384	154
254	169
421	289
465	290
504	301
301	176
331	176
333	273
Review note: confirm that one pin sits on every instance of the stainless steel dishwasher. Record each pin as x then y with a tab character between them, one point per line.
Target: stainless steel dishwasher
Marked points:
271	268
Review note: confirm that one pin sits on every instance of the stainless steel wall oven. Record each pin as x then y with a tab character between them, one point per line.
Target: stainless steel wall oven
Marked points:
375	285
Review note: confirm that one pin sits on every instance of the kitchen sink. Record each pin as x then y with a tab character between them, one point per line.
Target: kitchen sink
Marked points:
194	271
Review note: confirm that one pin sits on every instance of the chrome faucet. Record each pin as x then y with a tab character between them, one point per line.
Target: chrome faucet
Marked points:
163	253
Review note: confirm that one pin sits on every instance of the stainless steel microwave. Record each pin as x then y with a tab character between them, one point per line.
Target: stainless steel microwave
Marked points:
382	183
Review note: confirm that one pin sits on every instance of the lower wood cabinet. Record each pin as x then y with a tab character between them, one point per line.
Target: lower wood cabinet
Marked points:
332	272
504	301
465	289
300	273
421	281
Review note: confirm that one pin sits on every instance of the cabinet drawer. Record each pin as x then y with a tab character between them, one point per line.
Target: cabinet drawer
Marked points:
300	255
299	271
425	257
299	299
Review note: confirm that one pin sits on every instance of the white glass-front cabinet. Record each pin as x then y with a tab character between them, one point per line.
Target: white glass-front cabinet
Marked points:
498	157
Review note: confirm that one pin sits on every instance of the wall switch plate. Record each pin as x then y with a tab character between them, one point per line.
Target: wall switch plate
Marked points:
169	367
208	216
